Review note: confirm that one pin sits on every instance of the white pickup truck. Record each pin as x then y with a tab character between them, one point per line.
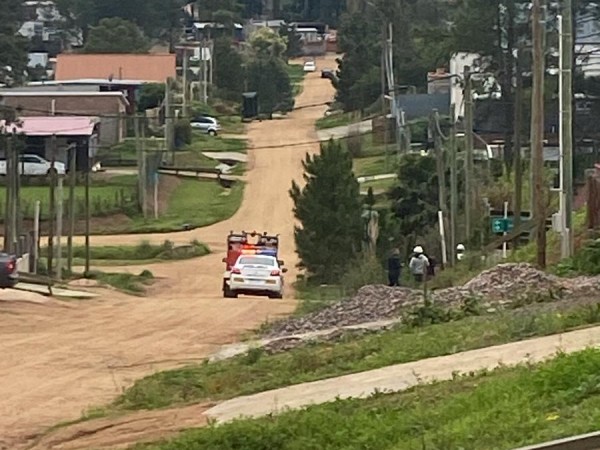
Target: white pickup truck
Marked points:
34	165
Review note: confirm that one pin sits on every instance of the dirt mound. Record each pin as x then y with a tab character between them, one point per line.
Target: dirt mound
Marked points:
503	284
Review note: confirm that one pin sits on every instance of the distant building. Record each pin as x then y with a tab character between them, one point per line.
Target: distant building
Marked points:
146	68
110	107
438	82
79	131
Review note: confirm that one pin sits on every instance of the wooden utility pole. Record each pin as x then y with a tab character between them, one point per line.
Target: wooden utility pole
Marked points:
59	226
518	140
169	138
8	197
441	173
51	207
468	96
537	132
139	156
567	122
87	215
453	186
143	171
72	203
185	82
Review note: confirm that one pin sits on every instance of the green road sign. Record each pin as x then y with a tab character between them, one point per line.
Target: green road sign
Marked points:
502	225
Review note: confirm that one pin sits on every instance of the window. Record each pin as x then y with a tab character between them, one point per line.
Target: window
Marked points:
256	260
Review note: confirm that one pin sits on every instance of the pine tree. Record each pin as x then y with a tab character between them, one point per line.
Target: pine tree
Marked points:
329	210
13	47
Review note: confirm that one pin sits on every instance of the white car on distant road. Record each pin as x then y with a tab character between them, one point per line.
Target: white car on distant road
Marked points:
310	66
257	275
34	165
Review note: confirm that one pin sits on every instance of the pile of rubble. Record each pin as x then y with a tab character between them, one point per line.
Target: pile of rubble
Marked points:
370	304
500	285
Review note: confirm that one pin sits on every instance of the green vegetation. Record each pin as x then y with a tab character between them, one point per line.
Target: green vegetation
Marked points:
338	120
193	204
296	74
126	282
501	409
256	371
107	196
372	165
329	209
143	253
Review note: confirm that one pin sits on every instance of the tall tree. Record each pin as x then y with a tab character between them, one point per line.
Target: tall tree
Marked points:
13	47
229	69
116	35
329	210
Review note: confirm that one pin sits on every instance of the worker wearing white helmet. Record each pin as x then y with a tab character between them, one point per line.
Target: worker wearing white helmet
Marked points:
460	252
418	264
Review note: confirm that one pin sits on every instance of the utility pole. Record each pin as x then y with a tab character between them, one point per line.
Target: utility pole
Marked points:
169	120
139	157
87	215
205	56
441	173
143	174
453	186
8	197
51	208
72	214
468	96
566	96
518	140
59	225
185	82
537	131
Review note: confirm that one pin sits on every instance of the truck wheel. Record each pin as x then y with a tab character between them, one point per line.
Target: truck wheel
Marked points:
277	295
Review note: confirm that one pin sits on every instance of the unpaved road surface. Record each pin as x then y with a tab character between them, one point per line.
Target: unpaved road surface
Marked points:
58	359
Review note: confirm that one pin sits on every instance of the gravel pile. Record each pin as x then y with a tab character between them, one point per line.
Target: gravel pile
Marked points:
370	304
497	286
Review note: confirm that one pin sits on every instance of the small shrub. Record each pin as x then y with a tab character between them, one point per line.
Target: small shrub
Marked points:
364	271
354	143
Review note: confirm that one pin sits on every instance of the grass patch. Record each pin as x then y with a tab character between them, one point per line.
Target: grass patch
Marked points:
502	409
378	185
194	204
296	73
256	371
107	196
372	165
231	124
125	282
125	151
144	252
338	120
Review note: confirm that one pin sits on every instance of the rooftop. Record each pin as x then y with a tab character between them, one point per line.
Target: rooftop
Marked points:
116	67
53	125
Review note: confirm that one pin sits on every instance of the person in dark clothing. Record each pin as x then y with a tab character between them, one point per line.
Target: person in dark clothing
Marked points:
431	267
394	268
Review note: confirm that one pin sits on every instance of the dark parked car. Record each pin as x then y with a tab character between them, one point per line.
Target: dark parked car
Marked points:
328	73
9	276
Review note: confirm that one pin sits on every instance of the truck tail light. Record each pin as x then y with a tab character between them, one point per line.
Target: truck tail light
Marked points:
236	271
275	273
10	266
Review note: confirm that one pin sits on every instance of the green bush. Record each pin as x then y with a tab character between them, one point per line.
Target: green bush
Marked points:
183	133
586	261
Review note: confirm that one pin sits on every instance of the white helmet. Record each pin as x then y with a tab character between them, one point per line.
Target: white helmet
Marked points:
418	249
460	247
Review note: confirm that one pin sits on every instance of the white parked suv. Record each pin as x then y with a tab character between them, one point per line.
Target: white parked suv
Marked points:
34	165
209	125
257	275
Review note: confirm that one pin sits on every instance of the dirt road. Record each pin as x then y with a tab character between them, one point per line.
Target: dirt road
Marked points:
58	359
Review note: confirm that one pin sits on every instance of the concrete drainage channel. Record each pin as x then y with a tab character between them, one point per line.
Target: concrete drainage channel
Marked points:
589	441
